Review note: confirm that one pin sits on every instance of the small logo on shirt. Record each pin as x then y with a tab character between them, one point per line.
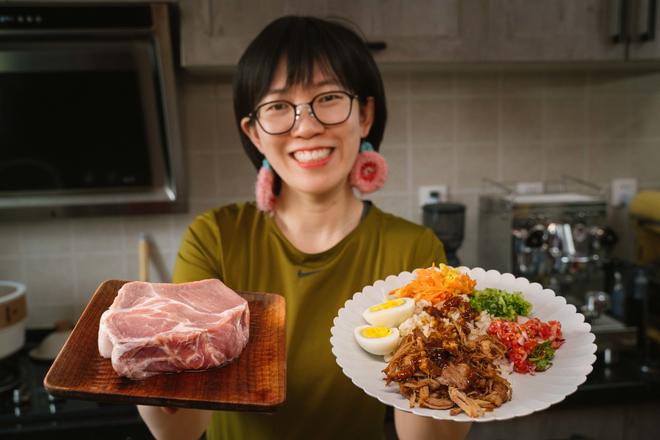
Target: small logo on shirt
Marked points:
302	273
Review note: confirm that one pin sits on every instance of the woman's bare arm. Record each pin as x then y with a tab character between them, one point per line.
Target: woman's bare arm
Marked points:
412	427
179	424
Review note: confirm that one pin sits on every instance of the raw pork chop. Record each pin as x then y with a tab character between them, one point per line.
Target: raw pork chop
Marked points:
153	328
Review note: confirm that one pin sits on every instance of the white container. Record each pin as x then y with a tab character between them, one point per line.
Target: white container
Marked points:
13	314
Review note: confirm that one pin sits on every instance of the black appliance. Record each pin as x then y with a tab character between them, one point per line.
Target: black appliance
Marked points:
27	411
447	220
88	113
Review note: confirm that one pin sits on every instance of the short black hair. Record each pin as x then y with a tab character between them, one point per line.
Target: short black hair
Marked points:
306	42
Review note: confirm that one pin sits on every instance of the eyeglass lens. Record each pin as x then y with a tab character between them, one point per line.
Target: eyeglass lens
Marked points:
329	108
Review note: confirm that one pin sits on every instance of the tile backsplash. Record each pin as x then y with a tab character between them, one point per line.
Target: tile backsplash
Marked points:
451	128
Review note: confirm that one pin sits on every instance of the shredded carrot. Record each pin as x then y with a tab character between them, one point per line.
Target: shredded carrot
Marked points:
437	285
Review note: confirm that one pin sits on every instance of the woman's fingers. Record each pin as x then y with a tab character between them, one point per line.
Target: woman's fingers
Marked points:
168	410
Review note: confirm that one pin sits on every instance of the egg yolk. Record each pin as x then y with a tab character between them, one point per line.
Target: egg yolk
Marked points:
375	332
386	305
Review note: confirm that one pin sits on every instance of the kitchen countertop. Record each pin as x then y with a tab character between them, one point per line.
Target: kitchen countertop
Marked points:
122	421
624	376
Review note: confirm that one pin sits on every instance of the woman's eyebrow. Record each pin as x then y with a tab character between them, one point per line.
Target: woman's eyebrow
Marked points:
319	84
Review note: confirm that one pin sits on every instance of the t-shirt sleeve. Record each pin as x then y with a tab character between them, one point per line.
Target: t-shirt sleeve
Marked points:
199	255
429	249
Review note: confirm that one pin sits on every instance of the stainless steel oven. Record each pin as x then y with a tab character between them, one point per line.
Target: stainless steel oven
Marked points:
88	111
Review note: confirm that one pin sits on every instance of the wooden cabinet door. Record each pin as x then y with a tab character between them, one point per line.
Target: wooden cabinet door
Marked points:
644	26
554	30
418	30
216	32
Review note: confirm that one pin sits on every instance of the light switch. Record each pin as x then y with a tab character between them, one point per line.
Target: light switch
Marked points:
622	191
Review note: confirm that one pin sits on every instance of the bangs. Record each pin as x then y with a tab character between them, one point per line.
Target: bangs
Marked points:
301	72
306	46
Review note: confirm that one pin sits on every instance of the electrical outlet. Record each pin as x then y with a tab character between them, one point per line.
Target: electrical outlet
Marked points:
425	194
623	190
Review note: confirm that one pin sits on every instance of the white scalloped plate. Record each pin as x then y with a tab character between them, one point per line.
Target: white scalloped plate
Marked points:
571	365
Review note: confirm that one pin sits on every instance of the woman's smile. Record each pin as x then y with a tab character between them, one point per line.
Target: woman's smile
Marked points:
312	157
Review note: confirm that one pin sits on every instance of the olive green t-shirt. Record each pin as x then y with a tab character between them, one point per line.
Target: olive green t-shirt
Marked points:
245	249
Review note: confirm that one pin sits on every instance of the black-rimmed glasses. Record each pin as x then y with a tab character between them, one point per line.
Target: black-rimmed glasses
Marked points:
329	108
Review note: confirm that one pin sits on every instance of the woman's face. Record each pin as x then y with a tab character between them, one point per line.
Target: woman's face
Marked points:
311	158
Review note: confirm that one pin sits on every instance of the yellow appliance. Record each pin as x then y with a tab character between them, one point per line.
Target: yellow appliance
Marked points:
645	212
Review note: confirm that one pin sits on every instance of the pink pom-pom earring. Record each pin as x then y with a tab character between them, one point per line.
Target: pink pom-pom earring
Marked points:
370	170
264	188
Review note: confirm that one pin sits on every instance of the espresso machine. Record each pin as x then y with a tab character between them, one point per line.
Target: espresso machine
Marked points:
560	240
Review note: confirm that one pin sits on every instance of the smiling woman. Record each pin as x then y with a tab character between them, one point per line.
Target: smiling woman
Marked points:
310	106
311	151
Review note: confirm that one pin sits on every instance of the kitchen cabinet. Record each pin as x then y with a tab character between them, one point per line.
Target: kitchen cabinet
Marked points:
560	30
569	30
216	32
643	43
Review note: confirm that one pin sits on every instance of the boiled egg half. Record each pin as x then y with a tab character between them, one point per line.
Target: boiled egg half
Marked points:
377	340
390	313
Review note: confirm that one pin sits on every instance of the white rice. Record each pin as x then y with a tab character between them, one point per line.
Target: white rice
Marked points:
421	320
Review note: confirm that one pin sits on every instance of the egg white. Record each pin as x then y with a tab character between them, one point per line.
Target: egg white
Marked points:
378	346
392	316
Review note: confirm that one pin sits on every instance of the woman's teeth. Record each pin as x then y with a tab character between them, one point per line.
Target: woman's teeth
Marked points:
311	155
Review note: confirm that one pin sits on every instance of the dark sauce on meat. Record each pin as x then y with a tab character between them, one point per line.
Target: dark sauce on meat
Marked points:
455	303
439	356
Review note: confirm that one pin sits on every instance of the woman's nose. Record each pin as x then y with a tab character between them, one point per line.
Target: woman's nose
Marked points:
306	121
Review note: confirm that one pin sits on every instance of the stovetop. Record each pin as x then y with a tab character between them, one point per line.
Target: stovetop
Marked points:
27	408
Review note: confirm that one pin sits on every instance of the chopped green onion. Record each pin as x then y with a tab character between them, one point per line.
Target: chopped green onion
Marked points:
500	303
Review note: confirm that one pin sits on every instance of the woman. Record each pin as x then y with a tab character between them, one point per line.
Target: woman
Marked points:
310	106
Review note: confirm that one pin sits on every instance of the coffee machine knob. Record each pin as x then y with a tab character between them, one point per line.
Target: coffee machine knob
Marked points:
535	238
580	232
607	237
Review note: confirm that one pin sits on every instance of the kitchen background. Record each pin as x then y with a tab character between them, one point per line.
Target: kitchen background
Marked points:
450	128
506	90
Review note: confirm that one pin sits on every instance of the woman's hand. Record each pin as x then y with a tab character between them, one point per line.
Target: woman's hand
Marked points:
175	423
412	427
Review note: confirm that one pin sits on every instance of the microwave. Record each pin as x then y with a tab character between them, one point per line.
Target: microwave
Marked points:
88	111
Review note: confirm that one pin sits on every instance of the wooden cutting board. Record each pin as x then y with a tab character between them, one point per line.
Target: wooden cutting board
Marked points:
256	381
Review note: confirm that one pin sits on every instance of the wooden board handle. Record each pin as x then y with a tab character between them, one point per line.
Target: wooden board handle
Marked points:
143	256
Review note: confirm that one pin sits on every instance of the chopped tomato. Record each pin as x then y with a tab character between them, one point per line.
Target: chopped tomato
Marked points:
521	340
